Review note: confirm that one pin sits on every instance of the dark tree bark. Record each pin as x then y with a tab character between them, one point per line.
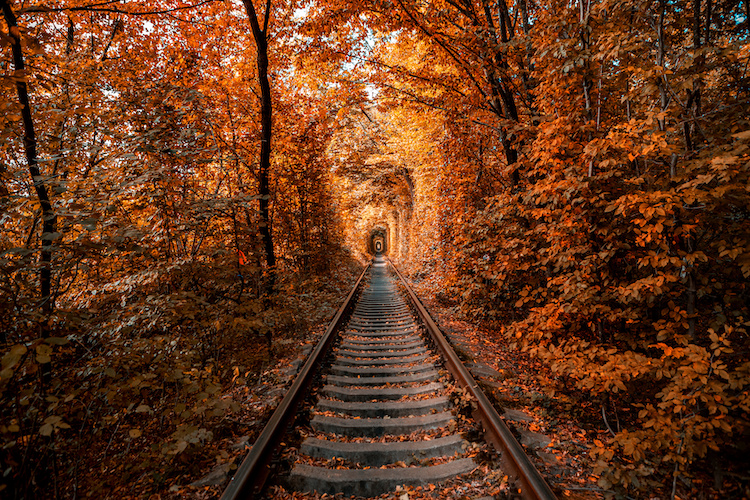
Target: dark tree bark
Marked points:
260	34
500	97
49	219
693	106
503	103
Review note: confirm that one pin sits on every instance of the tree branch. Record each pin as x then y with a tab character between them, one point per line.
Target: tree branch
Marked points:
101	7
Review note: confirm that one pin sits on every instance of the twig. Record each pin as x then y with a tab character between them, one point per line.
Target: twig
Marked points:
674	473
604	415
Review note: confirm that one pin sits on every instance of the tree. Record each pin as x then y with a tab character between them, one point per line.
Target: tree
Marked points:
40	182
261	37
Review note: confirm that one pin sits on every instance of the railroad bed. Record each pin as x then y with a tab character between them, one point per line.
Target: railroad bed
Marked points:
382	383
385	414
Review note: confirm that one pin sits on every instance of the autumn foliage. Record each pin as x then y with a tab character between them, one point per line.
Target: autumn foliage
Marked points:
138	303
573	174
580	178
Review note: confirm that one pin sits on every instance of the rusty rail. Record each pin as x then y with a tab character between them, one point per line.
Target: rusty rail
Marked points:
520	470
251	475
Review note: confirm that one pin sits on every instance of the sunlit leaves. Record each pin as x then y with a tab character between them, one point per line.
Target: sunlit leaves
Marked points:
623	250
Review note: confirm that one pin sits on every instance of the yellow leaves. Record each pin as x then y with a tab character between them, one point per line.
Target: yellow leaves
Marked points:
724	160
713	336
664	347
629	446
734	252
720	343
43	352
10	359
52	424
691	258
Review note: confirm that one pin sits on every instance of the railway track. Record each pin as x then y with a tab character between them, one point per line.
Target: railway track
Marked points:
374	408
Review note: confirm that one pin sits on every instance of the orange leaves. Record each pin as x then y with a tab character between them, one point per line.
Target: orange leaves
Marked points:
525	296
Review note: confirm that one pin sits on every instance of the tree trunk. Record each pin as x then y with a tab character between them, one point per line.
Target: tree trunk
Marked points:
692	109
503	101
660	58
49	219
260	34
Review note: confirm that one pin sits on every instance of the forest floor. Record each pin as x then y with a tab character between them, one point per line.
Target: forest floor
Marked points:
261	399
137	460
556	431
556	442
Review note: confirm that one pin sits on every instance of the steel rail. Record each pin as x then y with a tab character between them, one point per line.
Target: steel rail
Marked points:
251	475
515	461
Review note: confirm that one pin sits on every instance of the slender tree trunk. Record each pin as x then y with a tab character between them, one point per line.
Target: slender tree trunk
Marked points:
260	34
503	101
696	23
692	109
709	13
49	219
660	61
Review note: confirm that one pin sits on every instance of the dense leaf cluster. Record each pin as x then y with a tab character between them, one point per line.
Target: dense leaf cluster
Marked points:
138	308
589	197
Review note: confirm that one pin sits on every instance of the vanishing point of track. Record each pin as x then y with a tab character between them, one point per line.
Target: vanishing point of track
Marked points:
381	361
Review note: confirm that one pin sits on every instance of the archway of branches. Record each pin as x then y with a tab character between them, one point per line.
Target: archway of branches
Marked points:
378	240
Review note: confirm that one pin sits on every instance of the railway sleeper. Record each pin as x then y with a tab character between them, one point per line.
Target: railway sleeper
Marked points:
382	354
373	482
378	454
406	378
380	394
386	409
381	385
375	343
380	371
383	418
383	361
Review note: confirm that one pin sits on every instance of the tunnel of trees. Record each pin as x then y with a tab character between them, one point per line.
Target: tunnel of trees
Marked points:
179	178
378	241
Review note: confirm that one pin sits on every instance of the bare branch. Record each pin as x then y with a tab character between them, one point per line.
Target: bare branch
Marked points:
103	7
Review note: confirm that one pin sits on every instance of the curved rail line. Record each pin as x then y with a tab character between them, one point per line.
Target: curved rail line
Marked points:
381	344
